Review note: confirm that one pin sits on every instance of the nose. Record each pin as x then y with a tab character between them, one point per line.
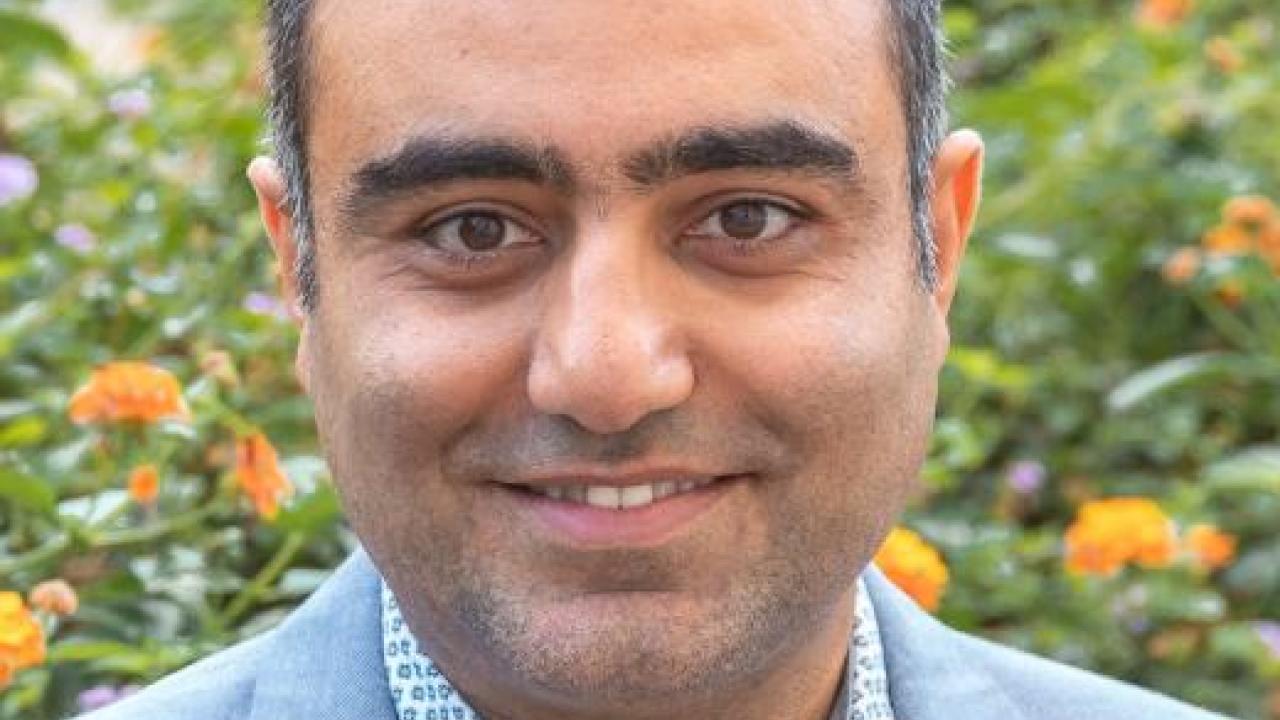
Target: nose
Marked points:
610	349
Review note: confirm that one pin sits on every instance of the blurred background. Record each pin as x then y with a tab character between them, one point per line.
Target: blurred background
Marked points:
1103	487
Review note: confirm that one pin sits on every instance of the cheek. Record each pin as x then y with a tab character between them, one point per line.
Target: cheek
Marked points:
395	384
852	387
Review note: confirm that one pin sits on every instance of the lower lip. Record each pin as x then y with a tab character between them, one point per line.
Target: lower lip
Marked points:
648	526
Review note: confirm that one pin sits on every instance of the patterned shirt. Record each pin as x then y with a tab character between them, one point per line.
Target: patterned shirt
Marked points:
421	691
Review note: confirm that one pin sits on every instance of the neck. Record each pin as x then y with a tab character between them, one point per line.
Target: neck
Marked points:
801	684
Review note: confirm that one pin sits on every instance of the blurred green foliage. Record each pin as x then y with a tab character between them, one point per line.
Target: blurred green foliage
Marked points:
1080	371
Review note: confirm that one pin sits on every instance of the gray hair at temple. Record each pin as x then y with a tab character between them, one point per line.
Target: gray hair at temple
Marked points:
916	46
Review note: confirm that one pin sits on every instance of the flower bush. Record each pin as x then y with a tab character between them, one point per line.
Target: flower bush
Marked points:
1104	480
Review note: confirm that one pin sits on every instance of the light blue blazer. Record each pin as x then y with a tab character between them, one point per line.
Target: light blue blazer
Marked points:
324	662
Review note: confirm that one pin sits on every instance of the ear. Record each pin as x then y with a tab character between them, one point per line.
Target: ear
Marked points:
268	184
957	189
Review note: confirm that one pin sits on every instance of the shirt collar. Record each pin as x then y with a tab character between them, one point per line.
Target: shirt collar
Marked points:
420	690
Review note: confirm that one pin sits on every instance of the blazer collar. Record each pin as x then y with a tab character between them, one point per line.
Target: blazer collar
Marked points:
325	661
929	676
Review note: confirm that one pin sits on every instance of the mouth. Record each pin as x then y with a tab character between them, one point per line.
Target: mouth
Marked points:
640	514
619	498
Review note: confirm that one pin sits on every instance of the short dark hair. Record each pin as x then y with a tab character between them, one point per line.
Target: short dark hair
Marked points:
916	46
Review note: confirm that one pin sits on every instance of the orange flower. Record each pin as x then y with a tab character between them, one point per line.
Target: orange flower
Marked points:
1210	547
54	596
1107	534
21	637
129	392
259	475
1223	55
1162	14
144	484
1249	211
915	566
1230	239
1181	266
1269	245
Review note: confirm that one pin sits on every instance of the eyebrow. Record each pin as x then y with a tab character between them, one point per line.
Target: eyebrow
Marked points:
784	145
432	161
427	161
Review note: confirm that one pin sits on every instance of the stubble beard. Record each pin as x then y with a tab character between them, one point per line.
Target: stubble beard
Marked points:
647	662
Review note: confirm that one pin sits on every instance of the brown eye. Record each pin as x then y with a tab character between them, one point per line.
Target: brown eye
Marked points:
481	232
748	221
474	233
744	220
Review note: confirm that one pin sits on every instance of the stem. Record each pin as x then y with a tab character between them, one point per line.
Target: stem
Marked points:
1230	326
221	411
152	532
293	542
39	556
88	538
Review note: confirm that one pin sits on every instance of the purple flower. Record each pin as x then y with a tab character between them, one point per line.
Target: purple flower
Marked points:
260	303
1269	633
75	237
97	697
1026	476
130	104
18	179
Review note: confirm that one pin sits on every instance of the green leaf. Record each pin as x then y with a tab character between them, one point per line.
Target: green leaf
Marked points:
88	650
23	432
10	409
301	582
22	34
312	513
1156	379
1256	468
27	492
27	691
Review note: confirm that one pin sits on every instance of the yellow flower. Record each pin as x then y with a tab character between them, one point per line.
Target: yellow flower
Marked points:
1108	534
21	637
54	596
1210	547
915	566
259	475
129	392
144	484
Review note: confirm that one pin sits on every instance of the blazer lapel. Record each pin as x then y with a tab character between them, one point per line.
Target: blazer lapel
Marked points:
325	660
929	679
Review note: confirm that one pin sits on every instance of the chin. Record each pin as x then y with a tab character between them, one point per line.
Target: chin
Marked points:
638	647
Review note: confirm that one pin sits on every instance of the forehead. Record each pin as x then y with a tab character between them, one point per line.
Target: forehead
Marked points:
593	76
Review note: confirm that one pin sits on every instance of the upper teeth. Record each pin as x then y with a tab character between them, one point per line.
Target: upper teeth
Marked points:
617	498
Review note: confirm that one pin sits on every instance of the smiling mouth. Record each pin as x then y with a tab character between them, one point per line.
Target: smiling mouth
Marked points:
619	498
632	513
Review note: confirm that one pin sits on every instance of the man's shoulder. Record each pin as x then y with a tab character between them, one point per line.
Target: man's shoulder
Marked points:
939	672
324	662
219	687
1049	690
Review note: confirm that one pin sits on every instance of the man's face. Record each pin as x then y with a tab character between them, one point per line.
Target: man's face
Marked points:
574	245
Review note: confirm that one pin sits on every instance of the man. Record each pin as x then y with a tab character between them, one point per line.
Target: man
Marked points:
622	323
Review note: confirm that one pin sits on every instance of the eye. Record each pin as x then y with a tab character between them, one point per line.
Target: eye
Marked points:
747	221
476	232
